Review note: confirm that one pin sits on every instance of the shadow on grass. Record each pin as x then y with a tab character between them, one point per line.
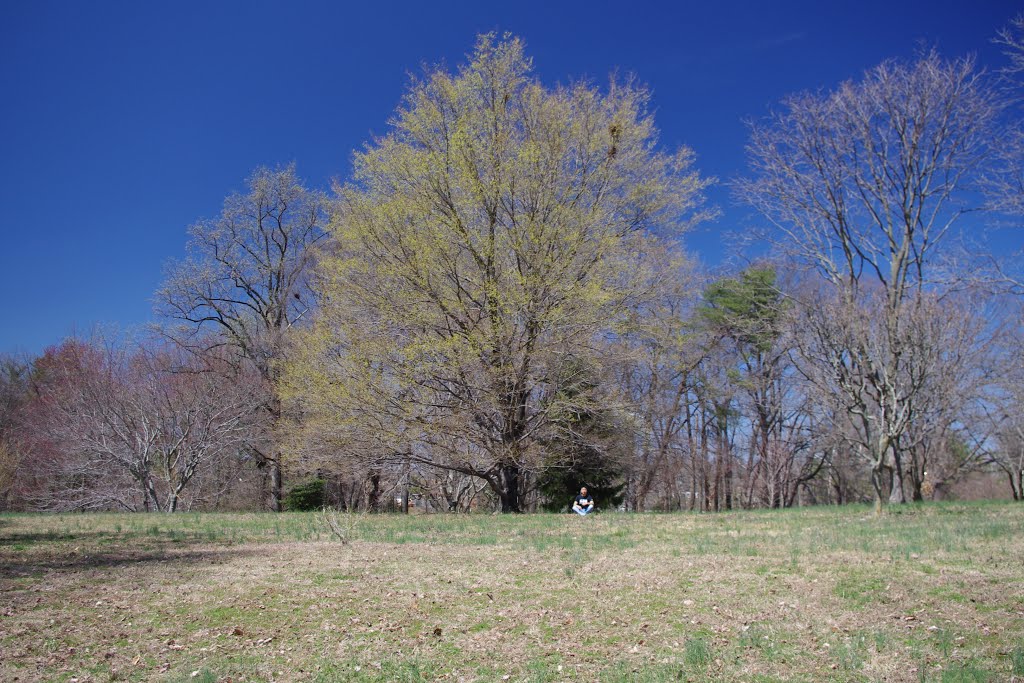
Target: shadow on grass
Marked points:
33	538
50	537
19	540
22	564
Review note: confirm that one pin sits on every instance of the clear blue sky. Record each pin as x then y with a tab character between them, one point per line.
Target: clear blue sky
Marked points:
122	123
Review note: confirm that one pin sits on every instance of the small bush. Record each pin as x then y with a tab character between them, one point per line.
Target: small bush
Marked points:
307	496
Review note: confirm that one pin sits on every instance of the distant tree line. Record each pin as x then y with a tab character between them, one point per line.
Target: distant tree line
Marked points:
496	309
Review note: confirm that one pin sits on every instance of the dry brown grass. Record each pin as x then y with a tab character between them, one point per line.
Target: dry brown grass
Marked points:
934	594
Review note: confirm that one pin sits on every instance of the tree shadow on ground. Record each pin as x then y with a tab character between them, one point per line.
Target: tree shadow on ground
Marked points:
36	562
34	537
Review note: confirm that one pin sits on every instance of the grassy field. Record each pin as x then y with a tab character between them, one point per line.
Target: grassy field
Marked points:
926	593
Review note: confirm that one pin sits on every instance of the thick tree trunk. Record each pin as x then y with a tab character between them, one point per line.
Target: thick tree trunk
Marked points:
373	496
1016	483
509	476
775	485
836	480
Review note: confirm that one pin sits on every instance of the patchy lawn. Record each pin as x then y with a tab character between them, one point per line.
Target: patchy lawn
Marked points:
926	593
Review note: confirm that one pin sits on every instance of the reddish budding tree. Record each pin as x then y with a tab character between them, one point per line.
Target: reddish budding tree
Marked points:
132	427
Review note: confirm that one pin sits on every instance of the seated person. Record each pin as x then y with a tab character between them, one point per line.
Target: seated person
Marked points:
583	503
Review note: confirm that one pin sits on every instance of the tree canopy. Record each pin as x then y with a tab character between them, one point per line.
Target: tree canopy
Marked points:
496	231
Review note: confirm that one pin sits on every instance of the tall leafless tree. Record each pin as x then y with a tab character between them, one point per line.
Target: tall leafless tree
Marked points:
864	184
246	277
1005	184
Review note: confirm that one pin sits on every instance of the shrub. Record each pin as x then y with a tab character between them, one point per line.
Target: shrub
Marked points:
310	495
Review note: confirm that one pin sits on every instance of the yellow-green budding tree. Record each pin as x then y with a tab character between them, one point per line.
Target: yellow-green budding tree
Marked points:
493	238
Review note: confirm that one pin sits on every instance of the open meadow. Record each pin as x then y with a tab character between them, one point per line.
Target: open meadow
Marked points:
925	593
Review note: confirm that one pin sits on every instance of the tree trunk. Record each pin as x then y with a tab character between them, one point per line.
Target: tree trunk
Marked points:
728	482
373	496
153	500
897	494
274	463
704	464
878	475
276	484
509	475
774	479
693	460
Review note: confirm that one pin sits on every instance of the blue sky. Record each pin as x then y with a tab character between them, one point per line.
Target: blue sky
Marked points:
123	123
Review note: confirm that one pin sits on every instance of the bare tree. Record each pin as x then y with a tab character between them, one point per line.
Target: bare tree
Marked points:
1004	180
657	361
897	417
957	354
1005	183
863	184
869	180
747	315
146	416
1008	454
1005	408
246	277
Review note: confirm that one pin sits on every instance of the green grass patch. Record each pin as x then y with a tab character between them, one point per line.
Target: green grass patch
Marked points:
859	591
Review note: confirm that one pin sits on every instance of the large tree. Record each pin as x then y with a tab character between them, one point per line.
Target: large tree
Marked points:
865	184
246	281
486	244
